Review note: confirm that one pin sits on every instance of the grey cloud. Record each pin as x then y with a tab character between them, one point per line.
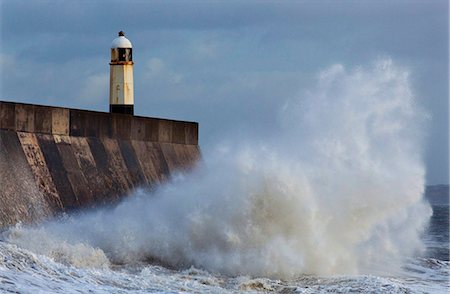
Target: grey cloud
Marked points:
222	60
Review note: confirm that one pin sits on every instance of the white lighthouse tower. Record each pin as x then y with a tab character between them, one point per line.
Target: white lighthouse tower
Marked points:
121	98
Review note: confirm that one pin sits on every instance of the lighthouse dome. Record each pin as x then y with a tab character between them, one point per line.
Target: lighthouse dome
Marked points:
121	42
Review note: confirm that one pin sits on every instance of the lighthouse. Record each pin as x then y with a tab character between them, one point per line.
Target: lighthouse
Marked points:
121	98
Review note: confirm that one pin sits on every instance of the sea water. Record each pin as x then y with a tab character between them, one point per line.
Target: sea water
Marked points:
23	271
331	201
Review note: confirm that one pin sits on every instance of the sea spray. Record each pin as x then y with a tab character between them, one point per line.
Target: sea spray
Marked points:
337	189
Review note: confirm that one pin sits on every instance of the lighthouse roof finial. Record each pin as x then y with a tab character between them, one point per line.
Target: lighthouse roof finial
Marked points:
121	34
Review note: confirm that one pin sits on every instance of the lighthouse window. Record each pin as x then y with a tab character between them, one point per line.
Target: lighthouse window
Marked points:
130	58
125	54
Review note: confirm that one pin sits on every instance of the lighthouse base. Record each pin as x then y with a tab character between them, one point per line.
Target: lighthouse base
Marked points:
124	109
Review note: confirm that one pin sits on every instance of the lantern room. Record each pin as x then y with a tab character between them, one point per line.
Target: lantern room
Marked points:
121	49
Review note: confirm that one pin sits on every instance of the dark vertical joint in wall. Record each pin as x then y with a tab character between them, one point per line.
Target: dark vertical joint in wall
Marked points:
43	120
191	133
157	157
138	129
58	172
169	154
104	172
74	174
121	126
77	123
88	169
151	130
88	124
132	163
178	132
7	116
99	154
165	131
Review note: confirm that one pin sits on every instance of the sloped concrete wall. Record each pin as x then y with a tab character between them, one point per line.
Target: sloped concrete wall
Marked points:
55	160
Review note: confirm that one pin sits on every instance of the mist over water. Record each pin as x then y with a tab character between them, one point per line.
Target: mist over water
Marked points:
336	189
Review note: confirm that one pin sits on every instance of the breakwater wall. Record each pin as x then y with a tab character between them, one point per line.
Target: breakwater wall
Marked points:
55	160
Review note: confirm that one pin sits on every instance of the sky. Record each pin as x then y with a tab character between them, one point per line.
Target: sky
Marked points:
224	64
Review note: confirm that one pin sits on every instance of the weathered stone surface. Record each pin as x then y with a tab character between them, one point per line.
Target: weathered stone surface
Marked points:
78	182
82	123
20	197
55	160
60	121
191	130
7	116
94	178
24	115
165	131
113	183
117	168
58	172
90	124
132	163
156	156
43	120
40	171
138	128
121	126
151	130
178	132
13	209
147	166
170	157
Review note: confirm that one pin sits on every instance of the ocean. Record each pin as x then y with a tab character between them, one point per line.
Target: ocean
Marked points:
331	199
22	271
